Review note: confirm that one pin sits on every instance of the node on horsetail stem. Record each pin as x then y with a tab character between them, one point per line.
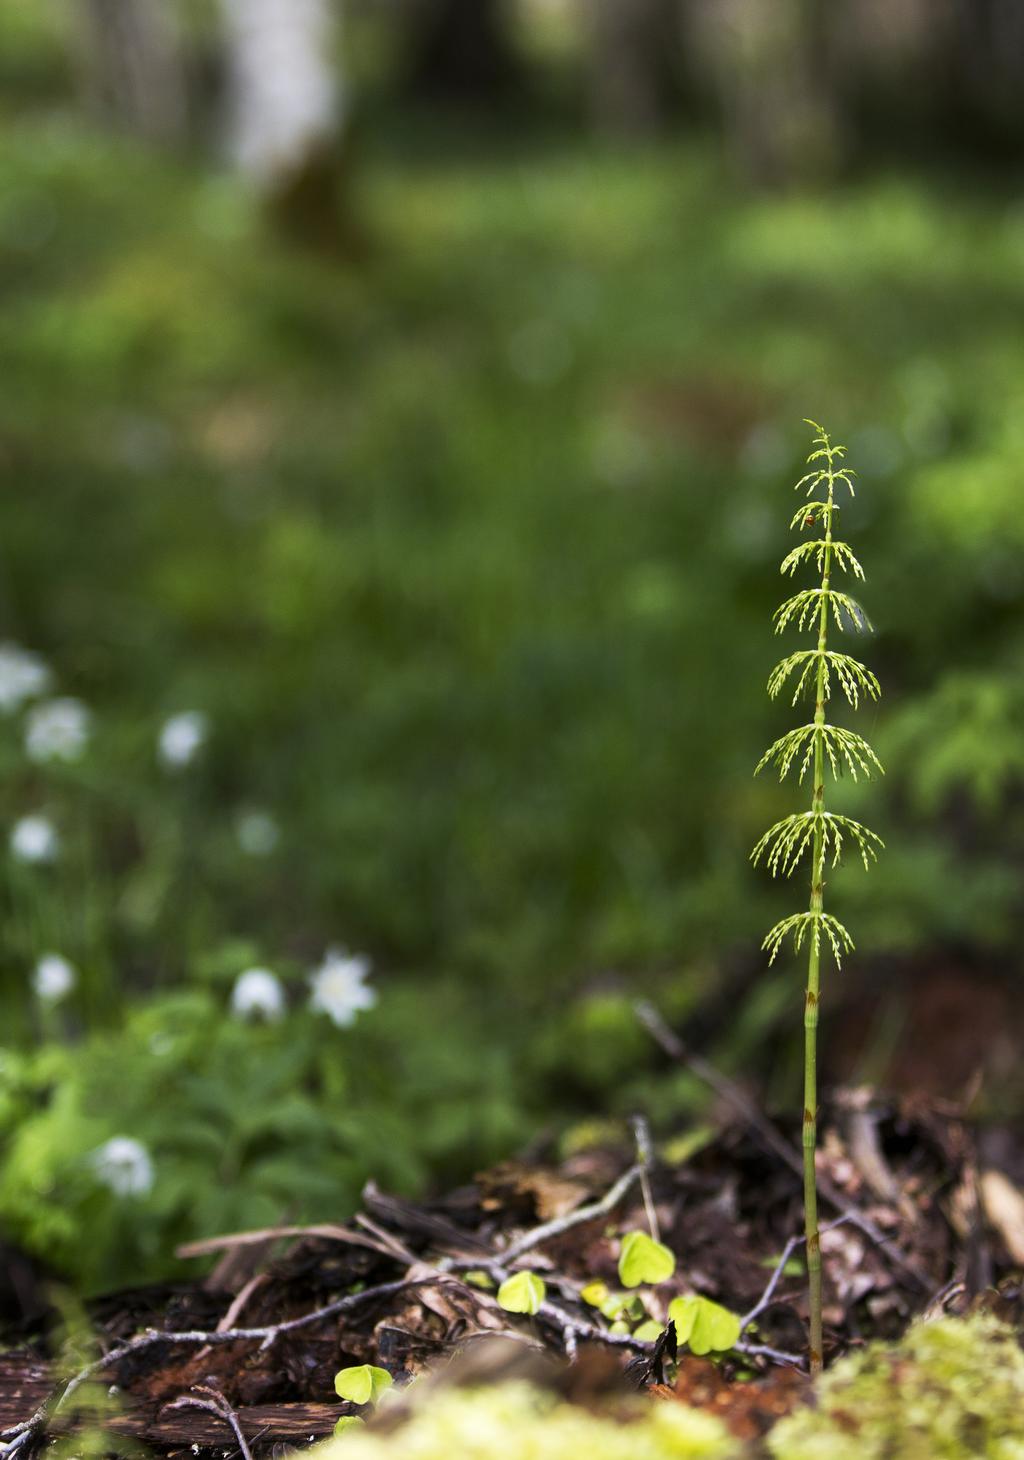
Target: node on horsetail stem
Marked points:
816	748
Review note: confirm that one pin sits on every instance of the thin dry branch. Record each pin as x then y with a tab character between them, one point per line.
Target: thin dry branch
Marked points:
328	1230
558	1225
771	1138
765	1300
21	1435
214	1402
645	1155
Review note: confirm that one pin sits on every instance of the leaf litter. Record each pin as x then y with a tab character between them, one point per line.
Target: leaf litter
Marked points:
411	1288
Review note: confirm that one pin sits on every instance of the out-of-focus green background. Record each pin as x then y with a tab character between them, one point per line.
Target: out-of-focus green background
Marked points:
445	469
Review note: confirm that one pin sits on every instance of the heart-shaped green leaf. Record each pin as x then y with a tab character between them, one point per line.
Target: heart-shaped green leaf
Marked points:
348	1422
363	1384
649	1332
477	1278
642	1260
706	1327
613	1305
523	1292
595	1294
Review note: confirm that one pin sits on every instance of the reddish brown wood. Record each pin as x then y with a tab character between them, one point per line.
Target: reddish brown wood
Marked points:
25	1381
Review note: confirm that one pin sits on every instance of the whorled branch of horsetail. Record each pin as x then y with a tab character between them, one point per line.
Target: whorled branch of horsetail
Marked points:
819	833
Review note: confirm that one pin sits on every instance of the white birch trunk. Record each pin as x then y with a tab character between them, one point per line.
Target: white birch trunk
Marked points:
287	103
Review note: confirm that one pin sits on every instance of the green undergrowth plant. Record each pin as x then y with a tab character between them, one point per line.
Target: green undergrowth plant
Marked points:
702	1325
949	1389
812	749
363	1384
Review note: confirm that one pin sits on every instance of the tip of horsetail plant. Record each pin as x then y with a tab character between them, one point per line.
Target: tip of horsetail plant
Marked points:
817	837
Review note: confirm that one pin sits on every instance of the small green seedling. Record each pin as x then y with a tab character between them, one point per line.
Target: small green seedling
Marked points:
523	1292
811	748
705	1327
363	1384
596	1294
349	1422
478	1278
643	1260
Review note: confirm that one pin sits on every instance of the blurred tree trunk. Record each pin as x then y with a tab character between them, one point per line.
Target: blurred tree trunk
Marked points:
461	49
635	49
940	71
989	61
771	65
133	73
288	113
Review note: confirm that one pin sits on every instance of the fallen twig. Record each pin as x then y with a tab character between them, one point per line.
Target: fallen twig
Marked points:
765	1300
644	1155
214	1403
777	1355
558	1225
328	1230
22	1434
760	1126
237	1306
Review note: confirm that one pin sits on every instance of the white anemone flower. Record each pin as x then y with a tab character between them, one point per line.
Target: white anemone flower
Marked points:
339	987
257	832
258	993
124	1166
57	730
181	738
34	839
53	978
23	675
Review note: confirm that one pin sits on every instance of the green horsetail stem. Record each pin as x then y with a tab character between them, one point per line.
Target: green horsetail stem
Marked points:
815	748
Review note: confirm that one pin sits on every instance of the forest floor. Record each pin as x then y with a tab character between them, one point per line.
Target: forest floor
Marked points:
921	1214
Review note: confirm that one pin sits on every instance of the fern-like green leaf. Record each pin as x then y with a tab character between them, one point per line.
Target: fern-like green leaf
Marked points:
819	833
804	608
813	514
816	548
815	925
854	677
785	751
784	845
843	750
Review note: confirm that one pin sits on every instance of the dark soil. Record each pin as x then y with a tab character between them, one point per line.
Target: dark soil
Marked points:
909	1169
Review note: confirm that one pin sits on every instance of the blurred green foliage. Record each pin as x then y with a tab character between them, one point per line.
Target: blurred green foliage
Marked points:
246	1124
467	554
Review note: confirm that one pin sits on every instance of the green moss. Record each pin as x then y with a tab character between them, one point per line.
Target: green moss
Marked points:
519	1422
951	1389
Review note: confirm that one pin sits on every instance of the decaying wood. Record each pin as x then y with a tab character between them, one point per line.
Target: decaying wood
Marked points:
186	1370
25	1383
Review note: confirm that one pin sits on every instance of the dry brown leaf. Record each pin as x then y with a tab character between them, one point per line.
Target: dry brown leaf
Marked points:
1004	1207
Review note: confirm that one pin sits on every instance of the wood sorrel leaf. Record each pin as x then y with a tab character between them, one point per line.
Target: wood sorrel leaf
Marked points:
595	1294
349	1422
523	1292
706	1327
642	1260
363	1384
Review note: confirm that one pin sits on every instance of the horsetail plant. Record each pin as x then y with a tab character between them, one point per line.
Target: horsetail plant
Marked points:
810	748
